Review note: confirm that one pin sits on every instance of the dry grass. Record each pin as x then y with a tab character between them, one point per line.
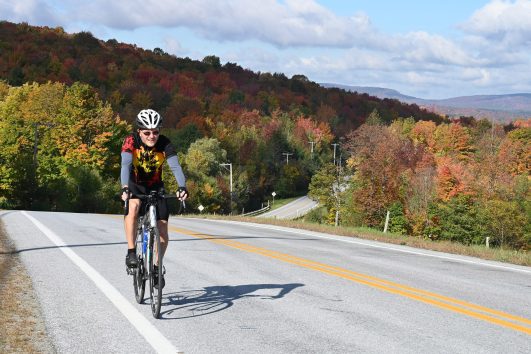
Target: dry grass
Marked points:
494	254
22	329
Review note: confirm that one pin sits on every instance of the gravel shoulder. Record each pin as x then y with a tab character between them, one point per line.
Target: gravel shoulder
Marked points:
22	328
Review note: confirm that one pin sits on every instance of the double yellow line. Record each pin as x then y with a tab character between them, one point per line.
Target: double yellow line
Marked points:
483	313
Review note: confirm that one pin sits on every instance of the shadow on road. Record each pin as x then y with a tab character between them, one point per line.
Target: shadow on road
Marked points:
65	246
194	303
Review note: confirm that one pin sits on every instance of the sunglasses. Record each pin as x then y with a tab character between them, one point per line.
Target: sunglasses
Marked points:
149	132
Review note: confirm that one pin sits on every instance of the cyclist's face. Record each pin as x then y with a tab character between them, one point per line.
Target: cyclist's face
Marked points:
149	136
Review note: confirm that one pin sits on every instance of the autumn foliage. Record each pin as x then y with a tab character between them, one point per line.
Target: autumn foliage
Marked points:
449	181
67	100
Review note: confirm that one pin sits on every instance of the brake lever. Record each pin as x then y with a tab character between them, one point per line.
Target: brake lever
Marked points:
182	207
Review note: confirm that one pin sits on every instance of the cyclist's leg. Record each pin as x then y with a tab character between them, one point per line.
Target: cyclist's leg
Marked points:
163	231
162	223
130	222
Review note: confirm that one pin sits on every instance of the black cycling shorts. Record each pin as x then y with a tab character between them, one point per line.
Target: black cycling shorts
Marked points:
162	204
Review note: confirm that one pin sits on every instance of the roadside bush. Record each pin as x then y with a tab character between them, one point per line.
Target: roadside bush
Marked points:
318	215
398	222
456	220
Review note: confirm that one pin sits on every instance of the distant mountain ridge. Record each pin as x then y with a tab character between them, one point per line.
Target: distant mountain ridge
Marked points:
500	107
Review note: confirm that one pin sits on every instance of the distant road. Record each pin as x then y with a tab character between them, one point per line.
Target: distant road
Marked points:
236	287
291	210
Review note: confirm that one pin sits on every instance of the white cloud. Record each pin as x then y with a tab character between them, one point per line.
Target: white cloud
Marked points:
505	22
173	46
283	24
421	47
35	12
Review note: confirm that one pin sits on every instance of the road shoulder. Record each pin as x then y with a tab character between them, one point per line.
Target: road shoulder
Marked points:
22	328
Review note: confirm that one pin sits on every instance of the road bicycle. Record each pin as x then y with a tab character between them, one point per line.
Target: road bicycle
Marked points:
147	241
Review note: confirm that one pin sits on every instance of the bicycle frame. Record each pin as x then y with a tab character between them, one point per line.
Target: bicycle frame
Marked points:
148	227
149	252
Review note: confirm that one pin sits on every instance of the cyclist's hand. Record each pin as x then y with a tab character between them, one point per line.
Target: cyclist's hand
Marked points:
182	193
125	193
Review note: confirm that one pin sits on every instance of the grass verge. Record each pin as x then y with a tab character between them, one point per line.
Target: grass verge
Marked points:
493	254
22	329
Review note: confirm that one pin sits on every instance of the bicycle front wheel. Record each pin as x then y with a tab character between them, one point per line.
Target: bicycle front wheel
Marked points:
139	280
156	258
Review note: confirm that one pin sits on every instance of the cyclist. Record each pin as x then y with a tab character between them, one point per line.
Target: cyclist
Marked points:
143	154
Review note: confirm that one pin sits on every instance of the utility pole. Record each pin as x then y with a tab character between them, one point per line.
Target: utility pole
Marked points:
339	165
230	172
288	154
335	145
312	144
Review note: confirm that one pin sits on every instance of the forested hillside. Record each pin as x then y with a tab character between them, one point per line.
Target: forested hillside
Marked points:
183	90
66	101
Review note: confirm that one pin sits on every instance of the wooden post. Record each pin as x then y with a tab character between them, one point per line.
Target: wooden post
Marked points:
386	221
337	217
487	242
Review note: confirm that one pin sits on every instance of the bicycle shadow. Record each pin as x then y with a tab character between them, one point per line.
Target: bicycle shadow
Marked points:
194	303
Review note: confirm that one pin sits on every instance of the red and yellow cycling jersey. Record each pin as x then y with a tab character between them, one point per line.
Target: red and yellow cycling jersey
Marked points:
147	162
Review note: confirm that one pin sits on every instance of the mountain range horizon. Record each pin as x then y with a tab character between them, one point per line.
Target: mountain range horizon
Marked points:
500	107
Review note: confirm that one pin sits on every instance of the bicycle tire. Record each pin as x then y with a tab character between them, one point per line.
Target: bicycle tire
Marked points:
139	280
155	293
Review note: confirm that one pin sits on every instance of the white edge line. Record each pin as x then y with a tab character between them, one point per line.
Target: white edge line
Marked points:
142	325
337	238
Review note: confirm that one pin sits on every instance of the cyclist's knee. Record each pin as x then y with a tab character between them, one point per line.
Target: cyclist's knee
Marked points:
163	229
134	206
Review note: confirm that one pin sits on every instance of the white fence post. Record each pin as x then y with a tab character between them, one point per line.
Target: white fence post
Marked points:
386	221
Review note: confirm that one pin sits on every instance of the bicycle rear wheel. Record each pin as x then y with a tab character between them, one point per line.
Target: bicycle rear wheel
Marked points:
139	280
156	252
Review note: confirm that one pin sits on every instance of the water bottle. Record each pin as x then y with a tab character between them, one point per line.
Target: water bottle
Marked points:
144	241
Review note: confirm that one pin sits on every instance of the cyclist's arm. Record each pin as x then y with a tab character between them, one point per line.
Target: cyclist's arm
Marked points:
125	171
175	167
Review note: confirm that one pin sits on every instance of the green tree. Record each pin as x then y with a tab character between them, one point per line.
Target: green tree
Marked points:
321	186
202	165
204	156
184	137
398	222
292	180
374	118
212	60
506	223
459	220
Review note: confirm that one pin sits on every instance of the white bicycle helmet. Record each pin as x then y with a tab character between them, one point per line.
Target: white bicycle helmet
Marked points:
148	119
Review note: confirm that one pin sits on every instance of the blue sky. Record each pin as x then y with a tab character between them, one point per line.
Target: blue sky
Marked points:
427	49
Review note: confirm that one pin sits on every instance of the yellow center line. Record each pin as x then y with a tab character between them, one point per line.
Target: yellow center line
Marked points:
427	297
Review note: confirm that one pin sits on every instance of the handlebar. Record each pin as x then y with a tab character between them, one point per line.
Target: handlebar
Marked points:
153	196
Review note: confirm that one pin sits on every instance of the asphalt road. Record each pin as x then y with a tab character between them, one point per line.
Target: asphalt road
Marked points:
245	288
291	210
